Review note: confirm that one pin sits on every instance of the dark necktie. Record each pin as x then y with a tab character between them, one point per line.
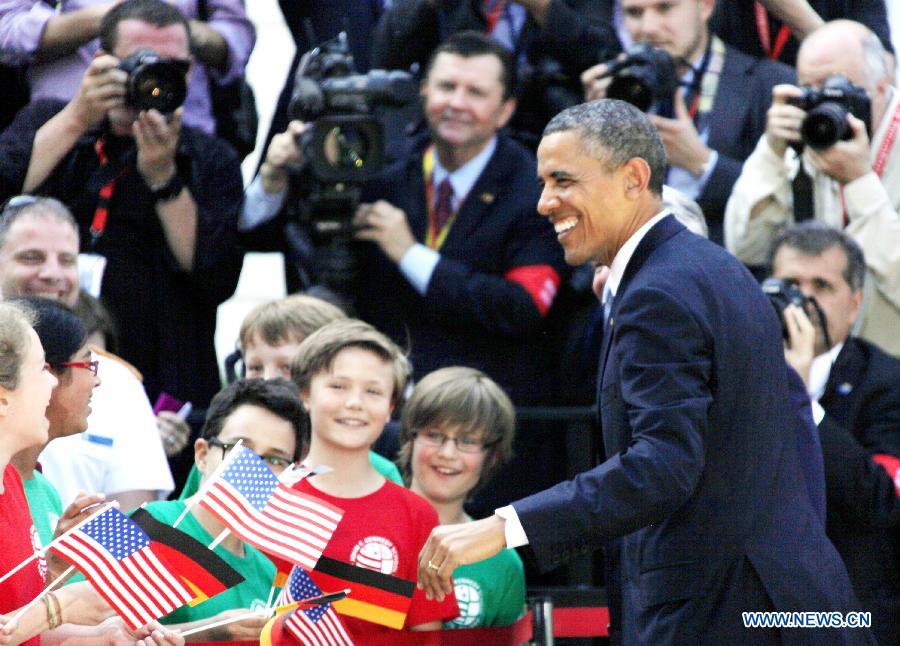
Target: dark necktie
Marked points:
443	206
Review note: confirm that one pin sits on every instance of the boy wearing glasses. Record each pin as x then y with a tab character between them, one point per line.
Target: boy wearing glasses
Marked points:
268	418
351	377
457	430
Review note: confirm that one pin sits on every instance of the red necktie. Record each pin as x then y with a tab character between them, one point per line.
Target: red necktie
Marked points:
443	206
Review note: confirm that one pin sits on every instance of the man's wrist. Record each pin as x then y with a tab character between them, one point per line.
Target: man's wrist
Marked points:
168	190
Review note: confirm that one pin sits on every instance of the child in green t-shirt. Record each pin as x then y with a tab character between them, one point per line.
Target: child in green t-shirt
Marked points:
457	430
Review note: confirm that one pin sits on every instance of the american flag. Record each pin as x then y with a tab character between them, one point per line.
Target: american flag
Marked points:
250	501
318	625
117	558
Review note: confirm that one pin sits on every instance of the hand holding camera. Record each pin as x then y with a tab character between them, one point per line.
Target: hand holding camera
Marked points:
102	89
283	156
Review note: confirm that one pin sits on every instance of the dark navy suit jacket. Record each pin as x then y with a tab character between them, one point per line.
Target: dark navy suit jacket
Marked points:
737	121
471	314
703	488
862	417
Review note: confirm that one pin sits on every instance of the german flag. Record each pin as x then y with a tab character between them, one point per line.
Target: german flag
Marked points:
203	572
376	597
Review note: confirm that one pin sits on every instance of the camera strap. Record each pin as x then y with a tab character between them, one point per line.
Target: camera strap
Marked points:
107	190
887	144
765	34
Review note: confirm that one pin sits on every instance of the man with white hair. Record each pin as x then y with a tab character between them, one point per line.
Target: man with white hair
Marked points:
855	183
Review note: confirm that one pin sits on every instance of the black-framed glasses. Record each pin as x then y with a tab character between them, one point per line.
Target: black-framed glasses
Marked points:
275	462
93	366
464	443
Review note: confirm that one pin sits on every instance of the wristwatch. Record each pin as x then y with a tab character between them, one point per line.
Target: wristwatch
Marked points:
168	191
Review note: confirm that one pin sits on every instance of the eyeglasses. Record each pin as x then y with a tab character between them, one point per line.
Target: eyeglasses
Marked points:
275	462
464	444
93	366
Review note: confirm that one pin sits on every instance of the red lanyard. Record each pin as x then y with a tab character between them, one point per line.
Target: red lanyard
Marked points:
888	143
101	212
493	9
765	37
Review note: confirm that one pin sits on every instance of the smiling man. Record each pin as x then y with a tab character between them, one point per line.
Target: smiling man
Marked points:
702	519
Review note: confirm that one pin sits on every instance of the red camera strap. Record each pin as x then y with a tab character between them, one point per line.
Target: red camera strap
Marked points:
887	144
101	211
765	36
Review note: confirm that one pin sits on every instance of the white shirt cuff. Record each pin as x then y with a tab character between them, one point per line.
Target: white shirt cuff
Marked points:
818	412
515	533
418	264
259	207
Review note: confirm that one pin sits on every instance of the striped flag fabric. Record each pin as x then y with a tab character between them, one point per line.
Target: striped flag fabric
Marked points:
261	510
376	597
119	560
316	626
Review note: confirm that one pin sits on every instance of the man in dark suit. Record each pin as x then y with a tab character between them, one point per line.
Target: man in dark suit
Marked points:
702	492
855	392
709	126
460	263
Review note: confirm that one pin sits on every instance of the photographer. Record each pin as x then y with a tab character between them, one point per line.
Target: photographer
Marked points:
852	184
708	127
856	405
156	200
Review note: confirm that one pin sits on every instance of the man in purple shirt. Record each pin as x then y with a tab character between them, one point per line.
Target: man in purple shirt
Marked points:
59	46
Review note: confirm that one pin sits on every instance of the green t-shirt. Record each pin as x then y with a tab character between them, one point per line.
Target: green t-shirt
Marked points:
490	592
258	571
45	505
382	465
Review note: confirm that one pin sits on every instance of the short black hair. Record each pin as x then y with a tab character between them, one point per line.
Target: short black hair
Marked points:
154	12
813	238
60	330
469	44
278	396
613	132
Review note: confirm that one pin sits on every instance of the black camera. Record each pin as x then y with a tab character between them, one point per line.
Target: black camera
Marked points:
826	111
645	76
346	141
155	83
782	293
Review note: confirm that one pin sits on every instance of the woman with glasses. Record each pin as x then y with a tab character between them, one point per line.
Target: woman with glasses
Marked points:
457	430
267	417
68	358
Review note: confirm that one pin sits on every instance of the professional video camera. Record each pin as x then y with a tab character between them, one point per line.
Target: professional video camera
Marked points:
346	143
826	111
782	293
155	83
343	147
645	76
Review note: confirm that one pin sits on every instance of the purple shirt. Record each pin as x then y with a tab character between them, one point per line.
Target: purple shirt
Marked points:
22	23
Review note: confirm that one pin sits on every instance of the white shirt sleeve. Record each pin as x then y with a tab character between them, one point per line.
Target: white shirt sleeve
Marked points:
418	264
258	206
515	533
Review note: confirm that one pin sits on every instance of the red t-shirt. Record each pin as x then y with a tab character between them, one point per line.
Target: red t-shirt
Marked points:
18	541
385	531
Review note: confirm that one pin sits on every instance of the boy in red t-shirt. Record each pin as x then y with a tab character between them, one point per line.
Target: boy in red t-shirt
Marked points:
351	377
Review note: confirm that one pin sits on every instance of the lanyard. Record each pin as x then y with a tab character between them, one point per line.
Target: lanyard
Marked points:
434	238
706	79
887	143
101	212
765	37
493	9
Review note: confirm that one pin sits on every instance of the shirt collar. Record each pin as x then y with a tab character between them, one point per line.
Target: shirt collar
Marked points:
820	370
620	262
463	178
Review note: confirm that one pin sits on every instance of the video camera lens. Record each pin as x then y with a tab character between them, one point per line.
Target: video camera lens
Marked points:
154	83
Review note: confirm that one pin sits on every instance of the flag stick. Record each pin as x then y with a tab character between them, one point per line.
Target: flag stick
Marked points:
44	549
202	491
222	622
52	585
271	596
221	537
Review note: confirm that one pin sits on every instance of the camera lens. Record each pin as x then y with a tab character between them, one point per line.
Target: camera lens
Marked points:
824	125
347	148
633	89
157	86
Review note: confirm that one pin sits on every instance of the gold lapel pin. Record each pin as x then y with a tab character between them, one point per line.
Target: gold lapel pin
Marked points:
487	198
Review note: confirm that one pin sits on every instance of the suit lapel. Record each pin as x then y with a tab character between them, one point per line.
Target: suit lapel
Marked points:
845	374
661	231
727	119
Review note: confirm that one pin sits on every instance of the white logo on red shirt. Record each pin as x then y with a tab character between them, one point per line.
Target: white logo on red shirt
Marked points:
376	553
